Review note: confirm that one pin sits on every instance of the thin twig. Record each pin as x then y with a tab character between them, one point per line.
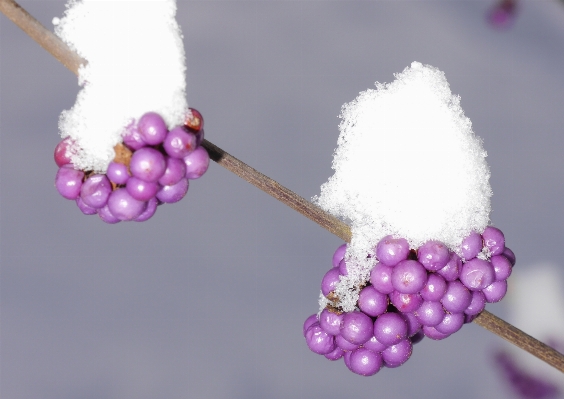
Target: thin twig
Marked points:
72	61
44	37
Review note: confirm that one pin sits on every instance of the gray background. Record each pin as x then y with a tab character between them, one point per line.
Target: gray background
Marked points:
207	299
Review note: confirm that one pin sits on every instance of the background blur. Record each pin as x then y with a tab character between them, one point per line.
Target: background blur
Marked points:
207	299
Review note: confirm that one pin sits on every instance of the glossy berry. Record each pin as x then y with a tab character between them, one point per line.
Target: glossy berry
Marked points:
494	240
339	255
390	251
435	288
62	157
197	163
405	302
434	255
140	189
335	355
372	302
374	345
451	271
149	210
95	191
194	120
451	323
308	322
398	354
331	322
381	278
178	143
495	291
477	304
330	281
123	206
152	128
430	313
409	277
477	274
357	327
502	267
147	164
365	362
174	193
456	298
318	340
390	328
471	246
117	173
69	181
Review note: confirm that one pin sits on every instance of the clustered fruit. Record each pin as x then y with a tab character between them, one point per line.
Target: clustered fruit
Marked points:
411	294
152	166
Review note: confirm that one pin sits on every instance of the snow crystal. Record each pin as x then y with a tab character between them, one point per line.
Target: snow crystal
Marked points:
136	64
409	165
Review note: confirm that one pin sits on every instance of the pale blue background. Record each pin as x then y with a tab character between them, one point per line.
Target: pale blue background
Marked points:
207	299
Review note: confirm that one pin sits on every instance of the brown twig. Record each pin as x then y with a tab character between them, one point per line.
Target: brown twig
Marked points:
72	61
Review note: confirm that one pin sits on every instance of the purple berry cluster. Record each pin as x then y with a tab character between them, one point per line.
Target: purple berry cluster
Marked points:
153	166
411	294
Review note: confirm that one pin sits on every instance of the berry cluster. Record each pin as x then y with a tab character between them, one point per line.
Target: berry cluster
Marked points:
412	294
151	167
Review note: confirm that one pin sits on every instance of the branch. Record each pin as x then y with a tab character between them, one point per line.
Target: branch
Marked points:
72	61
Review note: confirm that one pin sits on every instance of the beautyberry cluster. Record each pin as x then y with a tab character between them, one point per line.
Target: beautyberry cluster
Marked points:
153	166
411	294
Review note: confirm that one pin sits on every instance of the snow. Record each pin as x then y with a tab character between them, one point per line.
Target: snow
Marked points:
136	64
409	165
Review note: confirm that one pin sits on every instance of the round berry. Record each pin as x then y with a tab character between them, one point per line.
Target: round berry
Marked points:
197	163
381	278
477	274
374	345
117	173
357	327
62	155
390	251
435	288
331	322
152	128
149	211
494	240
123	206
398	354
68	181
194	120
339	255
451	323
308	322
471	246
457	297
495	291
434	255
390	328
95	191
174	193
87	210
107	216
372	302
431	332
365	362
178	142
502	267
140	189
509	255
318	340
451	271
477	304
344	344
330	281
336	354
147	164
409	277
430	313
405	302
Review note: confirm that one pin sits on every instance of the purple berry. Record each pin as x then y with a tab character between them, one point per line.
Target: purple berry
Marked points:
398	354
434	255
87	210
494	240
413	325
339	255
330	281
343	271
451	271
365	362
147	164
417	337
149	211
174	172
374	345
197	163
95	191
308	322
331	322
381	278
61	155
477	274
477	304
336	354
431	332
435	288
344	344
117	173
152	128
502	267
140	189
457	297
372	302
390	328
123	206
69	181
390	251
430	313
451	323
318	340
495	291
471	246
405	302
356	328
132	137
178	142
409	277
174	193
107	216
509	255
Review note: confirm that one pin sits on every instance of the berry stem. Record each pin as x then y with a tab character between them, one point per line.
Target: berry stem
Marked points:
72	61
518	338
41	35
